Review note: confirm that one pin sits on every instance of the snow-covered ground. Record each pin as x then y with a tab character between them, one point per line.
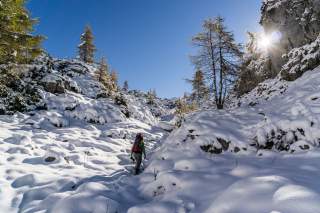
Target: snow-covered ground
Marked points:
48	168
54	156
72	156
266	164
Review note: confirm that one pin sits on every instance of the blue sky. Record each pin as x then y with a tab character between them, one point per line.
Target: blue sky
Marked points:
148	42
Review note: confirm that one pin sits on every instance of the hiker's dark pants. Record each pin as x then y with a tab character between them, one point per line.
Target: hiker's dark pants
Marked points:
138	158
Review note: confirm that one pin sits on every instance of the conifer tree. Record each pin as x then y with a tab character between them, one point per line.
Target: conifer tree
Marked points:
86	47
126	86
199	88
114	81
218	57
17	44
102	74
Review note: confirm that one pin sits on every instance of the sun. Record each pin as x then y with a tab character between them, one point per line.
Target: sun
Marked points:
267	41
264	42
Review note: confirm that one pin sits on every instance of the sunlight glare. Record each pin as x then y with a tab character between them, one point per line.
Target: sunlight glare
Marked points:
266	41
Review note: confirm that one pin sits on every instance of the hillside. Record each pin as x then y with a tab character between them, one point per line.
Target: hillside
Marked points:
74	133
269	161
69	152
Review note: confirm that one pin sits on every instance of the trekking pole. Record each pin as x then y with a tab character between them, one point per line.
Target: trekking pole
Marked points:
85	158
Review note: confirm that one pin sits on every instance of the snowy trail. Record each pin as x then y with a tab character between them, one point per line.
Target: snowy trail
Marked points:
54	169
120	186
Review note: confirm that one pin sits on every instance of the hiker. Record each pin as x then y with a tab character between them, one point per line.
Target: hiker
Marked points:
137	151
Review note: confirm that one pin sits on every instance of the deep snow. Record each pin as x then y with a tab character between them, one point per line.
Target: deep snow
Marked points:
67	155
73	157
83	155
243	179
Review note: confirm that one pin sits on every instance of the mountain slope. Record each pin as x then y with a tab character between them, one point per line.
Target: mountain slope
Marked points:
269	161
73	134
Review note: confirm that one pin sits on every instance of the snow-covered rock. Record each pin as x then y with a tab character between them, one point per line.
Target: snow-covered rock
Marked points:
301	59
298	21
294	27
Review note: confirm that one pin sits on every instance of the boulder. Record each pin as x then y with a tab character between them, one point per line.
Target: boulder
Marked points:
53	83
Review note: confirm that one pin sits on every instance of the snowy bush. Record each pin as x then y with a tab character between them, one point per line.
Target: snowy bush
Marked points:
290	136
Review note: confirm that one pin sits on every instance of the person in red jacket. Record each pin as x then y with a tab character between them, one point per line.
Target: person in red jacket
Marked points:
138	149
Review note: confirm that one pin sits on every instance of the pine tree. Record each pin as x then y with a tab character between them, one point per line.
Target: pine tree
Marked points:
114	81
218	57
199	88
126	86
87	48
102	74
17	44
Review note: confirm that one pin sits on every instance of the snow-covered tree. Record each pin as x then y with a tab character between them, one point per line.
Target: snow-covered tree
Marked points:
199	88
218	57
86	47
17	44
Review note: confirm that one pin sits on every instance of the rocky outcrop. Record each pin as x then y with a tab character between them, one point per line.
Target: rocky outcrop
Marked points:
53	84
295	24
296	21
300	60
71	68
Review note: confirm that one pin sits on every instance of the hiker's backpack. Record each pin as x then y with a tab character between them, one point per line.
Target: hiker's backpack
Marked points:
137	147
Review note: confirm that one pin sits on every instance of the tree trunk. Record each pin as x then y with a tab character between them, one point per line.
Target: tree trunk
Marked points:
213	67
221	74
219	105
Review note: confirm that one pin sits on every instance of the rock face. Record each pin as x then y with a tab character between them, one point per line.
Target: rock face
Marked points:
300	60
295	28
297	22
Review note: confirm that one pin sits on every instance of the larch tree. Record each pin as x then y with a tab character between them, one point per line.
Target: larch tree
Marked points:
103	75
218	57
86	47
17	44
114	81
199	88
